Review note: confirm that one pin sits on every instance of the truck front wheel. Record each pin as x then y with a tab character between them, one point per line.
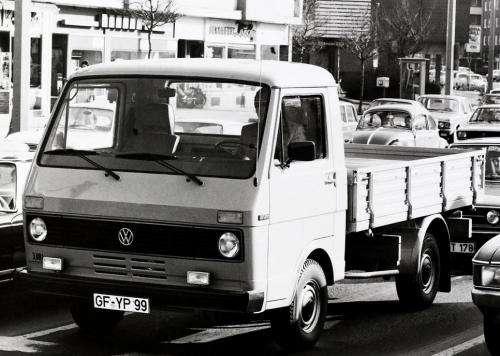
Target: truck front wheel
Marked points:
94	321
299	326
419	290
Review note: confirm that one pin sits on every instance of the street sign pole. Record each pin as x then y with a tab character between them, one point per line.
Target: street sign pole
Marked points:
21	75
450	44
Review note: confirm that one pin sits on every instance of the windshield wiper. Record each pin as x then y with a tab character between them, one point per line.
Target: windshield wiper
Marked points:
83	154
161	160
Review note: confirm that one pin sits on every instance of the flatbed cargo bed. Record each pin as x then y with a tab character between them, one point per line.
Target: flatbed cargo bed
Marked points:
387	185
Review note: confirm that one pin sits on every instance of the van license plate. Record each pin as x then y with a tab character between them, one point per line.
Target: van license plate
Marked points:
116	302
463	247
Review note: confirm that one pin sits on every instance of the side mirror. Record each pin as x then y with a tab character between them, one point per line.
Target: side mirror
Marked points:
301	151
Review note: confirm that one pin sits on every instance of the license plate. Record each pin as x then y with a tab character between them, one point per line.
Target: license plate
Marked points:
463	247
116	302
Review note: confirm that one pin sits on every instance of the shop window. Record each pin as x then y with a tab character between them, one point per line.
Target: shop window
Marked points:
215	52
284	53
241	51
137	48
269	52
190	49
83	58
36	62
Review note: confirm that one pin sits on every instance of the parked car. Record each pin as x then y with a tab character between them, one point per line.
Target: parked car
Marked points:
31	138
485	215
449	110
15	163
478	82
495	91
471	81
491	98
486	291
398	125
385	101
484	122
349	119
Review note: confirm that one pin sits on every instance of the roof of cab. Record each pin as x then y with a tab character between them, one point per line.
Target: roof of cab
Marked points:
273	73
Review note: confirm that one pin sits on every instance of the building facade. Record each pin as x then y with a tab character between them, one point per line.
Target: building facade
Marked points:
66	34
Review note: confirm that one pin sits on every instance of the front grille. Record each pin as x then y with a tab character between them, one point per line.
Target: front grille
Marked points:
153	269
476	134
149	239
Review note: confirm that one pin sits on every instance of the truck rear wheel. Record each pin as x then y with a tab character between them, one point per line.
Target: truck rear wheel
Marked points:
491	332
418	291
94	321
299	326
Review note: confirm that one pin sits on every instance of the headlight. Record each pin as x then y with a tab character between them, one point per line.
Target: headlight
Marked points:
229	245
490	276
441	124
461	134
38	229
492	217
447	125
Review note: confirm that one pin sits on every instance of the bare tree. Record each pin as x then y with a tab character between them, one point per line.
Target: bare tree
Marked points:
405	26
154	14
361	41
306	38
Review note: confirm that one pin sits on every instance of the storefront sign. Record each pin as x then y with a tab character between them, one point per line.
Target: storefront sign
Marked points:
229	31
7	18
474	45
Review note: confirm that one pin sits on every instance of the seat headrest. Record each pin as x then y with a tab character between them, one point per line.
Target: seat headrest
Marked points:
154	118
249	134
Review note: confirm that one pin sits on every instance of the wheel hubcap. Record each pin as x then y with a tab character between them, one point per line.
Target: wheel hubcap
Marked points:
428	274
309	306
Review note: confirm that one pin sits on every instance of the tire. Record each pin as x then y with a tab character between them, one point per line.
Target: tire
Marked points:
491	332
94	321
298	327
418	291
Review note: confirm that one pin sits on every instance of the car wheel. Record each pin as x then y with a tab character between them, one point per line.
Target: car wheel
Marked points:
299	326
417	291
491	333
94	321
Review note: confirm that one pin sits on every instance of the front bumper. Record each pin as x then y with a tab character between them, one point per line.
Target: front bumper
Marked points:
488	301
177	297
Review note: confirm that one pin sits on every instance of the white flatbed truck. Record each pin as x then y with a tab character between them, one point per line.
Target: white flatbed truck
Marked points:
184	211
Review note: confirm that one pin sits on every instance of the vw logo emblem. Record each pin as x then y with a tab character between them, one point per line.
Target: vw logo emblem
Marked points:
125	236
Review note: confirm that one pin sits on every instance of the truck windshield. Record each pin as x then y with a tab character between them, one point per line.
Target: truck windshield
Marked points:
492	165
208	127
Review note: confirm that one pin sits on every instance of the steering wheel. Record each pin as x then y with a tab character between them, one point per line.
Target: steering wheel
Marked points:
3	204
230	147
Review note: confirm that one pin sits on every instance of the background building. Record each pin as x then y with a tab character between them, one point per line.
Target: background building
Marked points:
67	33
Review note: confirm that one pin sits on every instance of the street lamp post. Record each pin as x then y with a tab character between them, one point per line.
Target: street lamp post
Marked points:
450	44
491	44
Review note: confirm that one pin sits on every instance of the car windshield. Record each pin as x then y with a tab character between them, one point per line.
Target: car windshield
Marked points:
491	99
205	128
8	179
386	118
440	104
486	115
492	165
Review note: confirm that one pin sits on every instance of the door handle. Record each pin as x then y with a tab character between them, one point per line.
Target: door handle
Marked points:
331	178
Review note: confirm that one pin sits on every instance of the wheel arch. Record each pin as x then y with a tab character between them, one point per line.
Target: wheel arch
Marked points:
439	229
413	239
320	256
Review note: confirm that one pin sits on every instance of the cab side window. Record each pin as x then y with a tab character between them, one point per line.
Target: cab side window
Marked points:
301	119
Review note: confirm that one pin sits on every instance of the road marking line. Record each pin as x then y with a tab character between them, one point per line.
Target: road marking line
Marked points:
214	334
462	347
49	331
